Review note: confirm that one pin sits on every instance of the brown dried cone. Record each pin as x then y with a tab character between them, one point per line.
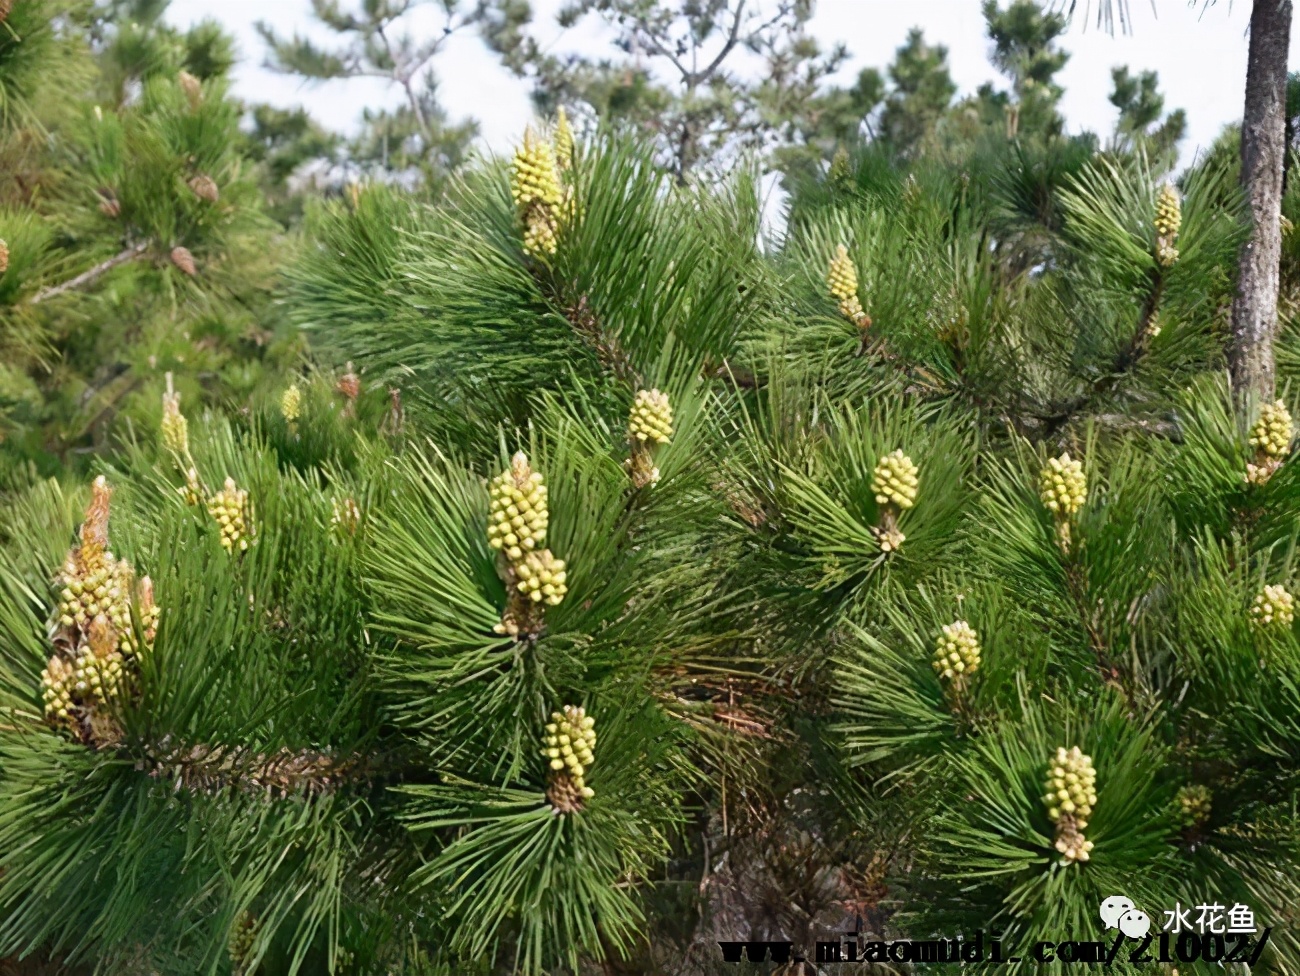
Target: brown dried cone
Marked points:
205	188
349	385
5	7
193	89
109	205
183	259
4	248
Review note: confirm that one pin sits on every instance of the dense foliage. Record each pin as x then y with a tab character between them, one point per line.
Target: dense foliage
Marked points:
621	576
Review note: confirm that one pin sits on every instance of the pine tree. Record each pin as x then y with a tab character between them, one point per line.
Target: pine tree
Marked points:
417	140
133	224
1139	126
873	575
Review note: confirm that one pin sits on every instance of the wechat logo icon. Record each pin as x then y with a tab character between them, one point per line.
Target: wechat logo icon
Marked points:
1118	913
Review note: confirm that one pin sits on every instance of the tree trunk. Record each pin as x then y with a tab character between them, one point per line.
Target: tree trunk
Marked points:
1263	128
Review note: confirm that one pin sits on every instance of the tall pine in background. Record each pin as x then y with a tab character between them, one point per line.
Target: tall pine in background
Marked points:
136	243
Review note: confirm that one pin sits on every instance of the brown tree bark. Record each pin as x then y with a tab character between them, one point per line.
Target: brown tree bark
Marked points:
1263	147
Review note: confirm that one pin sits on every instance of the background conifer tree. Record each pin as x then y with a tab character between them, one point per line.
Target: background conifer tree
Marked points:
133	224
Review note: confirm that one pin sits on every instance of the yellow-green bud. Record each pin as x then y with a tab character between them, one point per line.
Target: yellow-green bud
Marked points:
1169	212
894	481
542	578
1063	486
175	429
842	280
652	418
243	933
517	516
563	139
230	509
568	747
1274	607
957	651
1070	798
291	404
1272	433
535	188
1194	804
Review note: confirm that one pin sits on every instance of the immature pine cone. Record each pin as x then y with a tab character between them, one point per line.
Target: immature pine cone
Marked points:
1071	795
1168	218
1275	606
205	188
1194	804
68	688
842	279
957	650
517	518
563	139
1272	433
193	491
569	745
230	509
651	419
291	404
183	259
894	480
1063	486
535	187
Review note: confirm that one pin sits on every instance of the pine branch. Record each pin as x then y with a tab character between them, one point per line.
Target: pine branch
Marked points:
1126	360
91	274
611	355
215	769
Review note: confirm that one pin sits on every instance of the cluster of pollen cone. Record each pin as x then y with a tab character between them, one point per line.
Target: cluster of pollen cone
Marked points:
1271	437
230	506
541	199
895	483
518	519
1063	488
842	281
649	424
93	631
568	747
1071	795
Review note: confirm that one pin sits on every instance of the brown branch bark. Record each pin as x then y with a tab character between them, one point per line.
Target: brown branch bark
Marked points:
1263	147
90	274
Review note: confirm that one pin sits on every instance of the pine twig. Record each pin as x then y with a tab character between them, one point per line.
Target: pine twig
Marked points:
610	354
215	769
90	274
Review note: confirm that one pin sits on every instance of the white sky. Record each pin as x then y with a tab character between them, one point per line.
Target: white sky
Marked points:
1199	52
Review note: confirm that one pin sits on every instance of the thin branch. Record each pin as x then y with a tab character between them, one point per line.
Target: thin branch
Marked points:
89	275
731	43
